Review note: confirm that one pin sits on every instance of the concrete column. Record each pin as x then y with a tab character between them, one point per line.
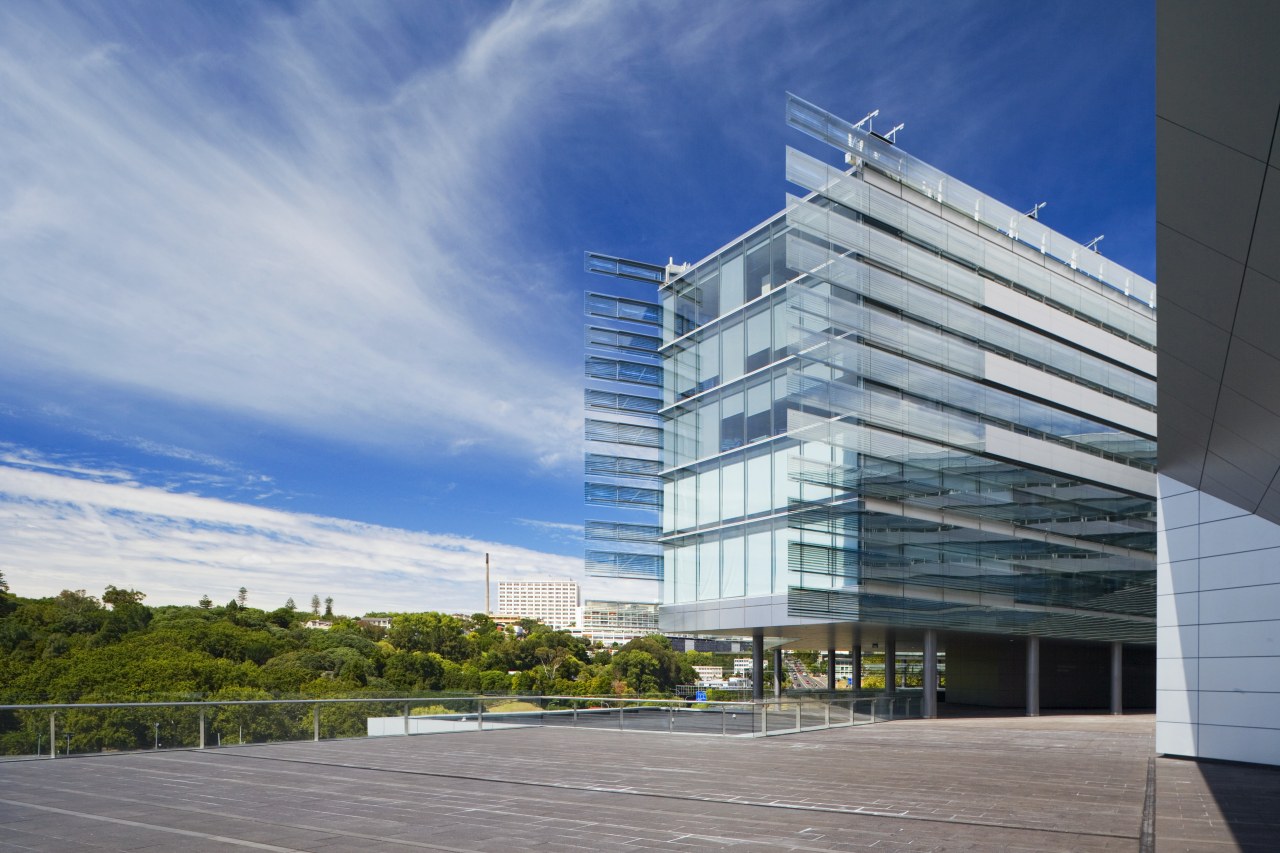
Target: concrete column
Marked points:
929	709
777	673
831	668
1117	678
857	666
890	662
1033	676
757	665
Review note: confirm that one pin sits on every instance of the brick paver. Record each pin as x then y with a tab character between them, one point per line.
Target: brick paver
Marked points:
1056	783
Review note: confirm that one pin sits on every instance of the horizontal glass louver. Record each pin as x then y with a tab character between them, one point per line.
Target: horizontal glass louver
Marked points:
622	433
619	370
622	466
623	564
616	339
886	158
620	308
617	531
615	402
610	494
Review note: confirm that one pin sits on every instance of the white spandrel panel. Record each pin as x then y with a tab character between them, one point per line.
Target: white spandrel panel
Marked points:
1013	304
1055	389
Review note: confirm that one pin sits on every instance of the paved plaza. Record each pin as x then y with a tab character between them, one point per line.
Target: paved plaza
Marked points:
1053	783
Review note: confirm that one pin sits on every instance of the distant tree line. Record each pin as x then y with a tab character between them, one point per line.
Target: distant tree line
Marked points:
76	647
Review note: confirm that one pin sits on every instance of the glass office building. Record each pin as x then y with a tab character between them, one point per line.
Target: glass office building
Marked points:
900	411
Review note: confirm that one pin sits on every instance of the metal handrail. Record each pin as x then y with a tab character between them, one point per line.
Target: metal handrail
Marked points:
872	709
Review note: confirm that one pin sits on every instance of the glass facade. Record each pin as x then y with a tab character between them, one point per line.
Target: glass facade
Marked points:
898	402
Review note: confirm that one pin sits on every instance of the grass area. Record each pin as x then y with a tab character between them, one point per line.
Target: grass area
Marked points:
510	707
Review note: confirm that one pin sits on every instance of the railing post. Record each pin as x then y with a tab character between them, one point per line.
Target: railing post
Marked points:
53	735
764	719
479	715
671	719
799	705
575	715
202	727
621	711
315	722
724	731
829	713
406	718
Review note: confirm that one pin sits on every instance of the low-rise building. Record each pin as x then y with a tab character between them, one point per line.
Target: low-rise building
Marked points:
708	674
619	622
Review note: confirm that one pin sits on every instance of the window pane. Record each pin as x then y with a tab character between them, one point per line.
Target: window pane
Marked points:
732	497
709	293
757	340
732	426
731	360
756	273
759	492
708	496
708	569
730	284
759	563
708	364
758	411
733	560
686	573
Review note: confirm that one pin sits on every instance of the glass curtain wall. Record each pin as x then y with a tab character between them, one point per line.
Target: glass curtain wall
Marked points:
858	414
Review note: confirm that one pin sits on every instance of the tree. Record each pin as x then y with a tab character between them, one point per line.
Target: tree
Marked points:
639	669
290	605
551	659
128	614
414	670
242	596
206	602
315	605
429	632
328	607
7	605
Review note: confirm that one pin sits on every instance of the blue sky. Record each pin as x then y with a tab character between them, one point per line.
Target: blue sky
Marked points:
291	293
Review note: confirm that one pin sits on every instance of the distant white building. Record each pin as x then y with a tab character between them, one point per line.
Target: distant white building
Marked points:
318	624
377	621
617	621
709	674
552	602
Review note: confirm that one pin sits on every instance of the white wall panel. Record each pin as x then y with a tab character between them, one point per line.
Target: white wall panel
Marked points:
1236	535
1230	743
1177	706
1240	639
1175	738
1252	568
1239	604
1218	640
1239	674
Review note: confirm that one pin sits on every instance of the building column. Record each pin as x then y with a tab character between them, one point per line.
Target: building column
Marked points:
857	666
757	665
890	662
831	668
929	708
1033	676
777	672
1117	678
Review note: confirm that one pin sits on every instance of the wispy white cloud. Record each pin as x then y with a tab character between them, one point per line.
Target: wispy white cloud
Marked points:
316	221
59	532
558	531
